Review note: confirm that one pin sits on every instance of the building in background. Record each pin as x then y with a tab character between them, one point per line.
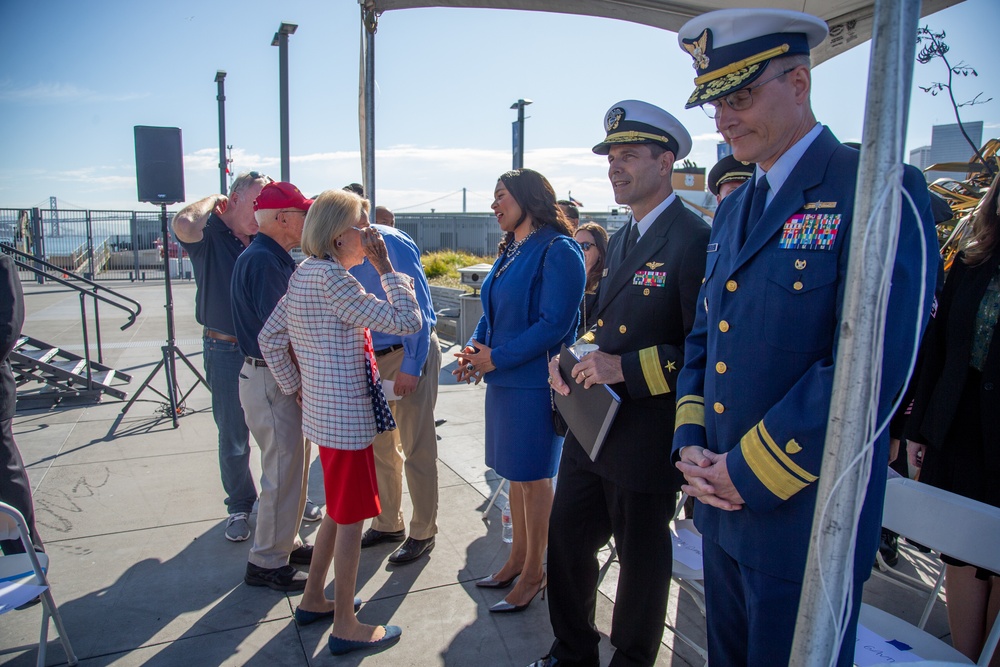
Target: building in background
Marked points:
948	145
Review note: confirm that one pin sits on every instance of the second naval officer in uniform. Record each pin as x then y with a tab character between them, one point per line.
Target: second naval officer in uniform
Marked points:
645	308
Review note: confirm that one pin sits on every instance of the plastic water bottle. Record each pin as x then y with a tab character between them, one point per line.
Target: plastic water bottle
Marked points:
507	532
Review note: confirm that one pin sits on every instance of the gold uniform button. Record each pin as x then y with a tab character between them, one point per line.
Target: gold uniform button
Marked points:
600	323
720	408
720	367
731	285
723	326
622	329
797	285
645	292
702	281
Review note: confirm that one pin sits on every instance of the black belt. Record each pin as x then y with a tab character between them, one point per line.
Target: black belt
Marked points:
386	350
256	363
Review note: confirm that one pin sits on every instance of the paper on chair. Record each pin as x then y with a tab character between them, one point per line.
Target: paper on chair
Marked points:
872	649
687	548
12	595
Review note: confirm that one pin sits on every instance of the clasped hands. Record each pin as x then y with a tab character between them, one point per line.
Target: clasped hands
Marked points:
708	480
473	363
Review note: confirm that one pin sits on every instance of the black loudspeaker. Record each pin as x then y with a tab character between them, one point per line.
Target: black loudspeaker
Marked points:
159	164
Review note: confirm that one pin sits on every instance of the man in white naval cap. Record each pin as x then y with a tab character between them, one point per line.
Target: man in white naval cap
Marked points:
645	308
754	395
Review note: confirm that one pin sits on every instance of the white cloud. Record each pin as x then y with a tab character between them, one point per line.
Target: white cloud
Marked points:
56	93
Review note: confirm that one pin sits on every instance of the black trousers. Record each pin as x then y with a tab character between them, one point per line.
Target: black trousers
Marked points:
586	512
15	490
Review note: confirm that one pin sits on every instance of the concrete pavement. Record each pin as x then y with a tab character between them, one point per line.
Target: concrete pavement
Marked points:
132	513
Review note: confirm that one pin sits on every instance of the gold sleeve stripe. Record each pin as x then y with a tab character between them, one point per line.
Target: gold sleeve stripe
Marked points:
587	337
652	370
771	474
777	453
690	410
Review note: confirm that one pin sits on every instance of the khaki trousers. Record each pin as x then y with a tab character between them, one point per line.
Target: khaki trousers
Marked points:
412	448
275	420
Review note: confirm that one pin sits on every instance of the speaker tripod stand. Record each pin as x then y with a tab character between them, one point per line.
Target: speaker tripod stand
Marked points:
170	349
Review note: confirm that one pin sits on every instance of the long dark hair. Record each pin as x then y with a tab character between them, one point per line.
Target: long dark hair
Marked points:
601	243
534	194
985	239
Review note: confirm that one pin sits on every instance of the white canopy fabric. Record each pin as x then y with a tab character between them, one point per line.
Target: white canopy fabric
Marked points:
850	21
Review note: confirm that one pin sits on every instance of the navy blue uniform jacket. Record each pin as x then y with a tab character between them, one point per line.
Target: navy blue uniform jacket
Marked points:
758	374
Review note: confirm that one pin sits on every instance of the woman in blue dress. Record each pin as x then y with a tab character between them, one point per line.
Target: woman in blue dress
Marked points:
531	300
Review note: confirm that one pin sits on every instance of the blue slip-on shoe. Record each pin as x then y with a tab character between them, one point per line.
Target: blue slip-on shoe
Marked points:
304	617
340	646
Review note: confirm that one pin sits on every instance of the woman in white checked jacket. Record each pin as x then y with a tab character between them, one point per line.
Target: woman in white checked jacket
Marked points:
317	343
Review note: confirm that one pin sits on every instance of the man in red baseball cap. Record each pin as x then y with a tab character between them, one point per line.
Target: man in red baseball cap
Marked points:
260	279
214	231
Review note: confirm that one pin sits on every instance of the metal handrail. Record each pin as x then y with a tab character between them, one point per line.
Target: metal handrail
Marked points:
91	289
22	259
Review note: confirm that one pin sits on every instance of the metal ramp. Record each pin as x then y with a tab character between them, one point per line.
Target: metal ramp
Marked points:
65	375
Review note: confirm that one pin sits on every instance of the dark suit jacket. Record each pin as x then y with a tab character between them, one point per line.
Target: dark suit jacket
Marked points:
946	351
11	320
645	309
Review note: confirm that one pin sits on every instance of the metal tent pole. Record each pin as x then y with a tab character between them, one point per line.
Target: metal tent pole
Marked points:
370	20
841	488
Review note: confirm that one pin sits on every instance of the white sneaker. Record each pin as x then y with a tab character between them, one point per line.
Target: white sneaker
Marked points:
312	511
237	527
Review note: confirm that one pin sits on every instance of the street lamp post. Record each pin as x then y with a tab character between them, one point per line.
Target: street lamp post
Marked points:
518	133
281	41
220	78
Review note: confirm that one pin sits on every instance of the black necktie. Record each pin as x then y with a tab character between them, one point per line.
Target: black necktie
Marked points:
633	238
756	206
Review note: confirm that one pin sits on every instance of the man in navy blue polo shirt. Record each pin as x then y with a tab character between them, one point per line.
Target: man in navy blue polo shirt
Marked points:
214	231
260	279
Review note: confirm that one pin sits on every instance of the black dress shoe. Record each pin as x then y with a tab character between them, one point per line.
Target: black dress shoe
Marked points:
285	578
373	537
889	547
411	550
302	555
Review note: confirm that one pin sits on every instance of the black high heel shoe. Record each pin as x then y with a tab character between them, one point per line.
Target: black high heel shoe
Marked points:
504	607
492	582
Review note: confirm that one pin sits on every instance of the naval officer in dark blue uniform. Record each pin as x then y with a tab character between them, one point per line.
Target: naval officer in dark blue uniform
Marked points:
754	394
645	308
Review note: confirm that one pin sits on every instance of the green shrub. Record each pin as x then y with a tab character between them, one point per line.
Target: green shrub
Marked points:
445	264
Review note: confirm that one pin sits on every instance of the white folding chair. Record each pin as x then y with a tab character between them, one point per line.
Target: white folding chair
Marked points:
945	522
22	578
690	575
501	491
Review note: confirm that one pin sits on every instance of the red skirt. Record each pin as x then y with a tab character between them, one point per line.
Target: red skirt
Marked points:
350	484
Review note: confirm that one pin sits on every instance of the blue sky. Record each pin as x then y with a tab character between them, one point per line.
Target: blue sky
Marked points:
79	75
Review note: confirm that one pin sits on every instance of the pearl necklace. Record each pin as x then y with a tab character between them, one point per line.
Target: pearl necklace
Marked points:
511	253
